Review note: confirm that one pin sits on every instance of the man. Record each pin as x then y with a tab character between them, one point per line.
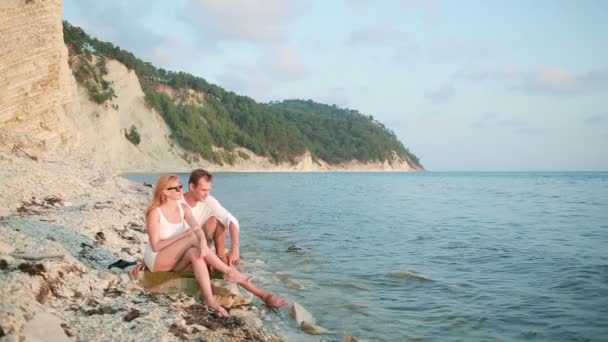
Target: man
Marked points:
215	219
216	222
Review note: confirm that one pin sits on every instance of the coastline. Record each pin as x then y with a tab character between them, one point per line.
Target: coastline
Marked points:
92	217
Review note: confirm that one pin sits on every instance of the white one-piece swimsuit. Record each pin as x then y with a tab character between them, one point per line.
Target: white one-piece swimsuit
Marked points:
167	231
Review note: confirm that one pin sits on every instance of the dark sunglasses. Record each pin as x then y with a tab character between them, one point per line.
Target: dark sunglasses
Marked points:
178	188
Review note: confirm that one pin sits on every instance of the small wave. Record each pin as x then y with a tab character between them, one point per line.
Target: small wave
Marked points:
407	276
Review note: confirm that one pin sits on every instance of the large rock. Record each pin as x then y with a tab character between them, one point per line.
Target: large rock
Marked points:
228	294
44	327
313	329
299	314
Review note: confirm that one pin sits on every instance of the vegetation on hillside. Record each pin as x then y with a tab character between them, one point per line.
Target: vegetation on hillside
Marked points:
279	130
89	70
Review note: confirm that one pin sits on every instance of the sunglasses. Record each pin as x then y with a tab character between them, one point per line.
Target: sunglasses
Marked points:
178	188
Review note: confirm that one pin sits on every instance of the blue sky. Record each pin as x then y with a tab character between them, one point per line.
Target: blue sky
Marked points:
466	85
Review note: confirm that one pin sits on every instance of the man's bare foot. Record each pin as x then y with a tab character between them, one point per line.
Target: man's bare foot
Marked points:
275	301
217	307
236	276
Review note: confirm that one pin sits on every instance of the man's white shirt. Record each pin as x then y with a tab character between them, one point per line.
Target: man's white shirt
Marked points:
202	211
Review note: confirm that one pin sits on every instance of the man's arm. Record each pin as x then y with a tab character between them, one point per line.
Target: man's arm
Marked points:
231	224
234	256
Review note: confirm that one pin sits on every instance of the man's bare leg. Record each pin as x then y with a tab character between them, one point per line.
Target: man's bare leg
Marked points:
216	231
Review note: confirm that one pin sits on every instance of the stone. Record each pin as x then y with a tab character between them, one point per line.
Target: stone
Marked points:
312	329
348	338
248	317
224	288
5	211
299	314
8	259
44	327
5	248
107	276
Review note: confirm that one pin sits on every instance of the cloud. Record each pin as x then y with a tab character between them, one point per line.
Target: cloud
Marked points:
283	63
544	80
441	94
492	120
503	73
241	20
559	81
279	63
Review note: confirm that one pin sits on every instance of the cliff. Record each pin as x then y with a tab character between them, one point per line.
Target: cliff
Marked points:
37	89
45	111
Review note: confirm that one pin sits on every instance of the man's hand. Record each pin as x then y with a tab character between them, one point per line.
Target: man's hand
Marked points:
233	258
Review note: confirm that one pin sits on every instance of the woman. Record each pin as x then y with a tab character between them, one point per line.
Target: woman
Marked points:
173	247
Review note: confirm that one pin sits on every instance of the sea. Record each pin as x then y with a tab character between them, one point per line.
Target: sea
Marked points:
430	256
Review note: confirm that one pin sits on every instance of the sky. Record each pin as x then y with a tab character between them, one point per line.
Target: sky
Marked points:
512	85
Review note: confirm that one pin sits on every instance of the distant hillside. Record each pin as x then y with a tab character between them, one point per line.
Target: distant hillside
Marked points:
208	120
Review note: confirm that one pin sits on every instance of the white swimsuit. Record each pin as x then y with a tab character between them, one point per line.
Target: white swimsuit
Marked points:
167	231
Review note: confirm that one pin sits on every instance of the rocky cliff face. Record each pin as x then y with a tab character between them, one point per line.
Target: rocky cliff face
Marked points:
37	88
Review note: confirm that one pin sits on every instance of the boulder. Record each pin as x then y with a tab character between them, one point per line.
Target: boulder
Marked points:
312	329
228	294
299	314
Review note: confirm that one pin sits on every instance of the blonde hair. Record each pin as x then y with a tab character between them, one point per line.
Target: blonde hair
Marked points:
159	197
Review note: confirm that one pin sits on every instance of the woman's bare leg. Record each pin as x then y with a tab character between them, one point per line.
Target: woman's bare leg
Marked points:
181	253
171	255
202	276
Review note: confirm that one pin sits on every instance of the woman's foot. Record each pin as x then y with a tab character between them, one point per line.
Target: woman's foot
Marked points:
275	301
217	307
236	276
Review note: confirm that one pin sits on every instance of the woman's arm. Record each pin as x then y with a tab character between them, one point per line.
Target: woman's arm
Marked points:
194	226
156	243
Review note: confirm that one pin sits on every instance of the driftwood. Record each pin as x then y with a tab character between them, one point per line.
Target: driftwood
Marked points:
37	256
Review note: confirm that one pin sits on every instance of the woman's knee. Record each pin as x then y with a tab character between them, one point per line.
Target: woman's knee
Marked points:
193	254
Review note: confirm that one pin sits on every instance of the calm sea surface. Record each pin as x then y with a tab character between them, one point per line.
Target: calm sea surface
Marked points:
429	256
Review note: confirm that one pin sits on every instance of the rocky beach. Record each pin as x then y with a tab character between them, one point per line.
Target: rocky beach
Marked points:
62	225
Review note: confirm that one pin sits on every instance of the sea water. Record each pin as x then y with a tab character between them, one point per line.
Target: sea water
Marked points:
429	256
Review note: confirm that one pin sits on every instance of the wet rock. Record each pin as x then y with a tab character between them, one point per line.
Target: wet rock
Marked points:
5	248
299	314
223	288
44	327
312	329
295	249
228	294
147	184
348	338
133	314
248	317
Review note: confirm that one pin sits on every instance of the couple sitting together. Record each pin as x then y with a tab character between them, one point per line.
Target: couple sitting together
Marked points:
180	226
